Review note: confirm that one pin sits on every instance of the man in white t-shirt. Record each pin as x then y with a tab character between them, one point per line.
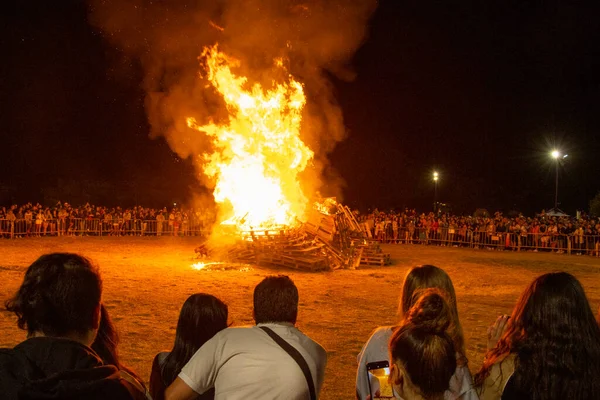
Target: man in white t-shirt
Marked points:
246	363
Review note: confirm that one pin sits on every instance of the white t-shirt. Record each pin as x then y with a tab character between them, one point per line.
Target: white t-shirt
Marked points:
245	363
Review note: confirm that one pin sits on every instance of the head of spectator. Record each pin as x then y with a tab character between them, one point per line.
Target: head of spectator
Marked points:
59	297
58	304
201	317
422	353
430	276
276	300
552	341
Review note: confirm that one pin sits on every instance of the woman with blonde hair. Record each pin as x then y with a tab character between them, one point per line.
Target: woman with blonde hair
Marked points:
376	349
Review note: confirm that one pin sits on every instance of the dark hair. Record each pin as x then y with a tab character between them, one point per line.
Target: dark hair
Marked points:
556	340
201	317
429	276
106	341
105	345
276	300
59	295
422	345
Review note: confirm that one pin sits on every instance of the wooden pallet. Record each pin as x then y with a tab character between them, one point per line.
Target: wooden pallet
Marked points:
332	238
382	260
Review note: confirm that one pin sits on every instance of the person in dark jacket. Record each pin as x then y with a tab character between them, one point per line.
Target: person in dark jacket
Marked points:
58	304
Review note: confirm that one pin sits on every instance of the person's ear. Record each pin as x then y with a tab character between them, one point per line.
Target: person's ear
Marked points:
397	378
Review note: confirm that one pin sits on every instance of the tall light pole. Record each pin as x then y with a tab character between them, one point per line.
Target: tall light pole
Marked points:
555	154
436	176
557	157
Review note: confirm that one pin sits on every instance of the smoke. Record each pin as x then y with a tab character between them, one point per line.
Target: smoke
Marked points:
318	37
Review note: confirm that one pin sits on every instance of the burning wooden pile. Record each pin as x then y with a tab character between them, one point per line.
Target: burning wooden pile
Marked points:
330	239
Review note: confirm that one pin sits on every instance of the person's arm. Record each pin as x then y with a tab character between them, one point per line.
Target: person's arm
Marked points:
200	373
179	390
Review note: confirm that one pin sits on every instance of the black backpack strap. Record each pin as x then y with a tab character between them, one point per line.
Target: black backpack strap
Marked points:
295	354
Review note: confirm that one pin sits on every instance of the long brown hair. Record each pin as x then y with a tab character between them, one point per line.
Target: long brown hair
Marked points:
556	340
422	347
429	276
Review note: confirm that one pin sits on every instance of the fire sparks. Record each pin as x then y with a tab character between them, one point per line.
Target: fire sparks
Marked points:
258	153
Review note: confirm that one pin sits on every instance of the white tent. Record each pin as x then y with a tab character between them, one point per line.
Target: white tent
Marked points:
556	212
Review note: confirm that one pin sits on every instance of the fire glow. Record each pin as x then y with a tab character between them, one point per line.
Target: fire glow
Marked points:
258	154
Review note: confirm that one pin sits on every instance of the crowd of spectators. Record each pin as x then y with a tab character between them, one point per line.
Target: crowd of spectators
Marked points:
65	219
548	348
542	232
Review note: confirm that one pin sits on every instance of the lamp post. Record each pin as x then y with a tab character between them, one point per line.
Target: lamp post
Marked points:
555	154
436	176
557	157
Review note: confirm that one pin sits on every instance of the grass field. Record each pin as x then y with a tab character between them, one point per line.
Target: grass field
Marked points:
146	280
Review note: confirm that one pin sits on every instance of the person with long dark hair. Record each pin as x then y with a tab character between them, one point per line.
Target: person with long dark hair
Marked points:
58	304
550	347
376	349
105	345
201	317
422	353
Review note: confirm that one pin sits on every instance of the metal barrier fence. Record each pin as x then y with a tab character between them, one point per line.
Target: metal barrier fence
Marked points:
480	238
100	227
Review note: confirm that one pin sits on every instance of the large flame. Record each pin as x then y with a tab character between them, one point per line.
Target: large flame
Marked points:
257	153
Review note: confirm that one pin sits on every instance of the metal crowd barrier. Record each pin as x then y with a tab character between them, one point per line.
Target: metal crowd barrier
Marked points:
100	227
481	238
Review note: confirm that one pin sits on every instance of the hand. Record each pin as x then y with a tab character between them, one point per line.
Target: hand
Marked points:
495	332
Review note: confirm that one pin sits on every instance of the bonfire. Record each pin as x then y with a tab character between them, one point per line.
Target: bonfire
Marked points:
256	162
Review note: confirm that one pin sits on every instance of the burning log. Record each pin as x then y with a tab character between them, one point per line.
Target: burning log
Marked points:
330	239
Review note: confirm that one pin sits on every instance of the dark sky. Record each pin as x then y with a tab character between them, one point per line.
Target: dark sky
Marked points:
480	91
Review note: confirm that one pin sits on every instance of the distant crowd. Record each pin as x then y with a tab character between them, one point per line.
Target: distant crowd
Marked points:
541	232
547	349
88	219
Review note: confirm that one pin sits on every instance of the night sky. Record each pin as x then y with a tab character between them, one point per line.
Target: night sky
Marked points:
479	91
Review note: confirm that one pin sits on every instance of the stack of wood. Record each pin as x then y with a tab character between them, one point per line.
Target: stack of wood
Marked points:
331	239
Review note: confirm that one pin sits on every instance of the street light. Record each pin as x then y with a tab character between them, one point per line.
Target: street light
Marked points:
436	176
557	157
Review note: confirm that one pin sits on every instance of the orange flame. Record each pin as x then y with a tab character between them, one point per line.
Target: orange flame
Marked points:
258	153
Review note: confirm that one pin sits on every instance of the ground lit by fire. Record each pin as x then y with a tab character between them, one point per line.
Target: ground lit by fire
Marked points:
146	280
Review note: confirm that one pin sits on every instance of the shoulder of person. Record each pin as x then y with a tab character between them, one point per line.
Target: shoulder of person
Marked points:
379	337
136	390
133	381
495	382
160	358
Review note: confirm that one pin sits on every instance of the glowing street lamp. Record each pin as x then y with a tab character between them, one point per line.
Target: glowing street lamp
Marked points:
557	157
436	177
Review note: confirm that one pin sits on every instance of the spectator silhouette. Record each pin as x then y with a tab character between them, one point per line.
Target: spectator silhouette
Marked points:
376	348
58	304
423	354
201	317
248	363
549	349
